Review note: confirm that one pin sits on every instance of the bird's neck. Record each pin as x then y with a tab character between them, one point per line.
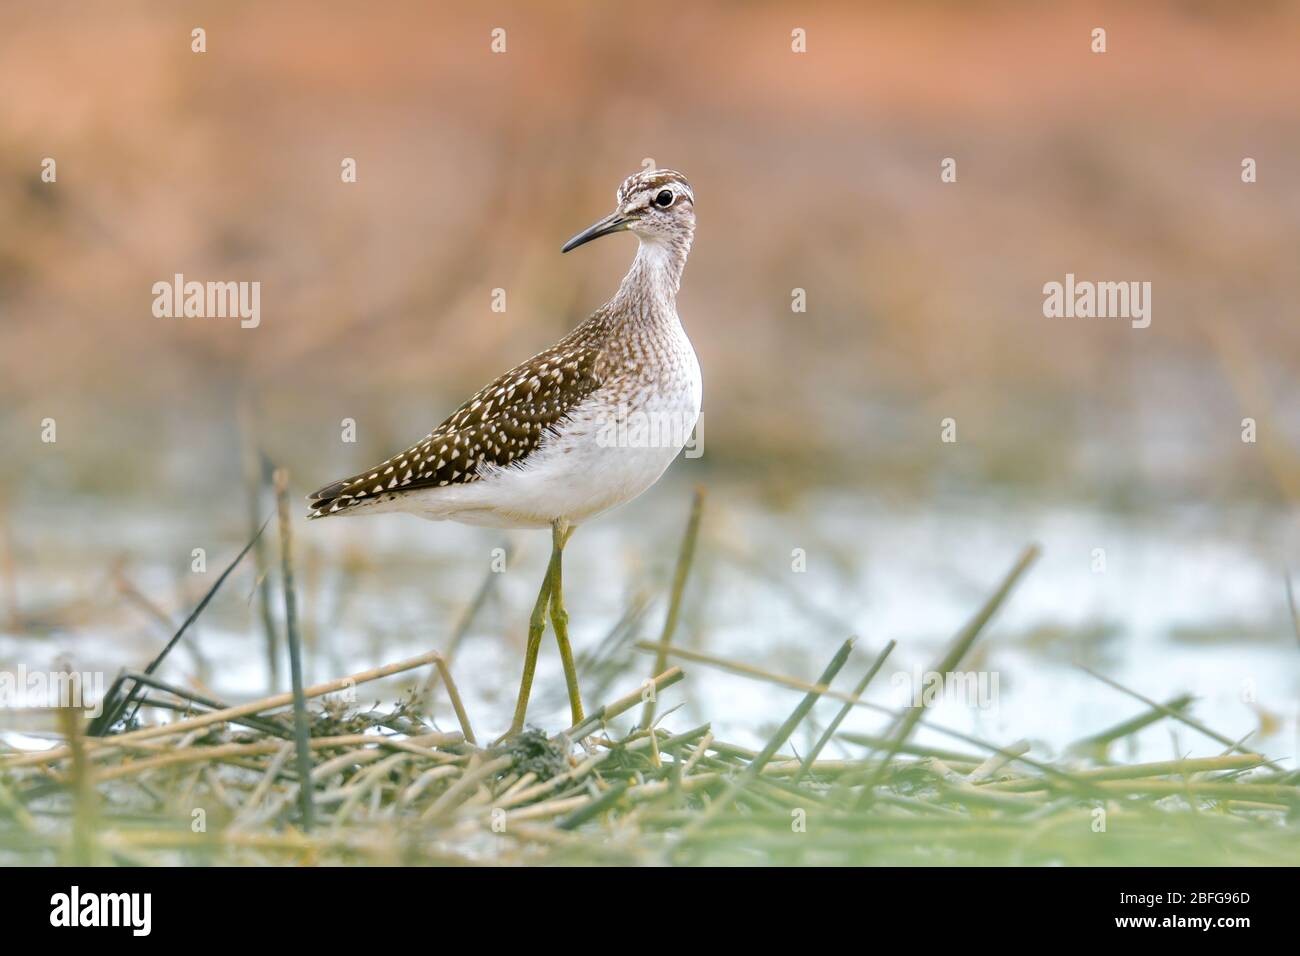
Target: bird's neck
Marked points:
650	287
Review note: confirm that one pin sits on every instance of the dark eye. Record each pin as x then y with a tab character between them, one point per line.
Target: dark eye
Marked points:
665	198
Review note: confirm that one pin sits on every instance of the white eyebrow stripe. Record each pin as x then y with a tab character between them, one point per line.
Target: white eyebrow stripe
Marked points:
650	182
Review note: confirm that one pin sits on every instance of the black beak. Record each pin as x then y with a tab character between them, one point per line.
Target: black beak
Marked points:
614	222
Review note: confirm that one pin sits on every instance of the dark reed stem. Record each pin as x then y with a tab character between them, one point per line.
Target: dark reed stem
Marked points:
113	710
184	693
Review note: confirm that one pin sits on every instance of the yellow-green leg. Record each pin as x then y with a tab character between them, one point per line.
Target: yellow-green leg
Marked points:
536	624
560	532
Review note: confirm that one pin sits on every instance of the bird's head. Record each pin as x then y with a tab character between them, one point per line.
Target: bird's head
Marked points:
656	205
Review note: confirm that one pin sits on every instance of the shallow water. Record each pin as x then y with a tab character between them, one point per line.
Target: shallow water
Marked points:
1187	600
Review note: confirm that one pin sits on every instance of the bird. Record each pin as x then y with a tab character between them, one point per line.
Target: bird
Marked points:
582	427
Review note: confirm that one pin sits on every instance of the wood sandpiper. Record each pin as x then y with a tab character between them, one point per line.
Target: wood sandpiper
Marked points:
548	444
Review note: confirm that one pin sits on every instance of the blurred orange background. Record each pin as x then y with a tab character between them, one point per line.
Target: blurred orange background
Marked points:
817	171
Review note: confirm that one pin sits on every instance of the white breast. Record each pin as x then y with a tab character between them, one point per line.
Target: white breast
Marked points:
613	446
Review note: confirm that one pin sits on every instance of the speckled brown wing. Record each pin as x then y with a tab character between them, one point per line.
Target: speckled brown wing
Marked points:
502	424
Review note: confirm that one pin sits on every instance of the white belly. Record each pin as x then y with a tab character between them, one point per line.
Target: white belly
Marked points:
611	449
